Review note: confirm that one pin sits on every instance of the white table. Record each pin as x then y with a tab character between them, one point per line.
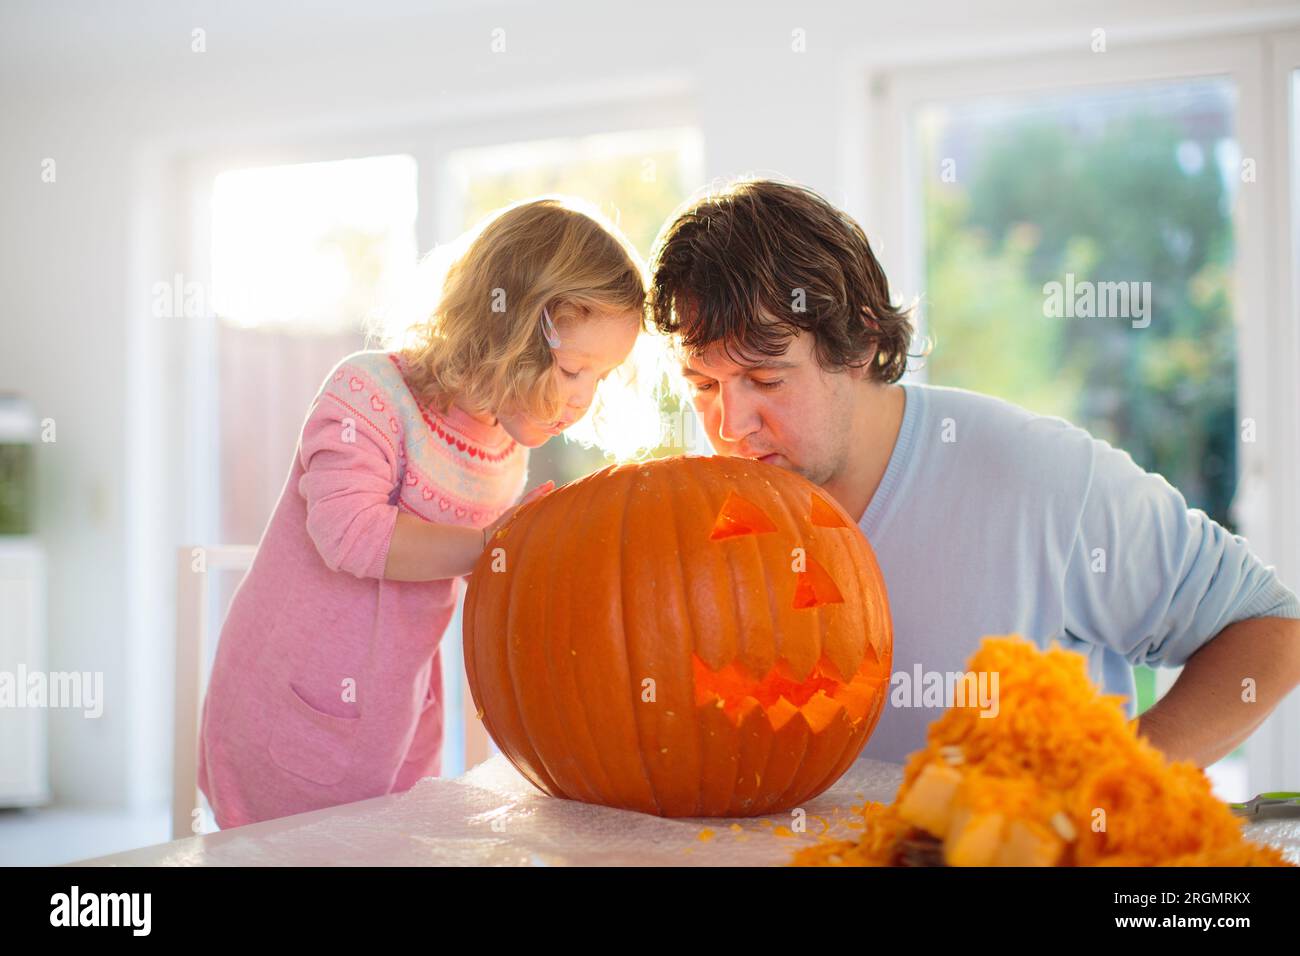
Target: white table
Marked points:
492	816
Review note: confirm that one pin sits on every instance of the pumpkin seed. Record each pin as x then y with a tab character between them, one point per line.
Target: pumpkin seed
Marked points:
1062	825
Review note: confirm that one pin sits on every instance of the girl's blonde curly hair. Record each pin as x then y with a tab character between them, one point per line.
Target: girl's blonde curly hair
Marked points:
482	345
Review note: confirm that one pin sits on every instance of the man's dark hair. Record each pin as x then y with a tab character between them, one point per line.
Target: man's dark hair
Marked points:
751	265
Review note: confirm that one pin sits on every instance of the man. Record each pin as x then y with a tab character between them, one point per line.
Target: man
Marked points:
985	518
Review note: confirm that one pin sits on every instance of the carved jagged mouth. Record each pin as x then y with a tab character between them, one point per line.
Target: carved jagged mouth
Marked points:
820	697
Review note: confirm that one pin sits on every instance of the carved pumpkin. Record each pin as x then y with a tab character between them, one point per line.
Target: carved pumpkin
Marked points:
690	636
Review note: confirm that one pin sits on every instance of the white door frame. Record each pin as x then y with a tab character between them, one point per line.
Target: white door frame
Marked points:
1274	761
1265	279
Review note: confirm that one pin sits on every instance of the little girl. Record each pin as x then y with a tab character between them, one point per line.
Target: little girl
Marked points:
326	686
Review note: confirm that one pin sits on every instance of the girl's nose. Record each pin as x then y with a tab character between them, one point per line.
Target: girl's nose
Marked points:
581	399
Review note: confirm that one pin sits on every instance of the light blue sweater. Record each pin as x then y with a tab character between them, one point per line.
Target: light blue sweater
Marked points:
991	519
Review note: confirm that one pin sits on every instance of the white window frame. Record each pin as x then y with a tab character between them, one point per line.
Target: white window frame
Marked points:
1275	759
176	455
487	121
1265	275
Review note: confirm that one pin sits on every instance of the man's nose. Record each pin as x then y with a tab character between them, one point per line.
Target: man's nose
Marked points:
737	416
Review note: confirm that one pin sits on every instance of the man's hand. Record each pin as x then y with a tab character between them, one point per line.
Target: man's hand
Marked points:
1226	690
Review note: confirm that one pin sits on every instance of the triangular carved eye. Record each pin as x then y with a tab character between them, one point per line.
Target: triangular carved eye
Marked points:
739	516
823	515
815	587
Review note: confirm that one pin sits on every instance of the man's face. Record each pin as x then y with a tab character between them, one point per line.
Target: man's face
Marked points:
785	411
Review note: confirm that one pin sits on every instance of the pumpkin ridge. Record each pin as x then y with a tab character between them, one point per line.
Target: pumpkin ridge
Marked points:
797	726
714	638
835	769
729	654
727	651
863	575
824	747
507	664
740	650
819	624
522	534
622	648
868	572
850	754
591	751
773	619
628	636
652	475
558	698
765	765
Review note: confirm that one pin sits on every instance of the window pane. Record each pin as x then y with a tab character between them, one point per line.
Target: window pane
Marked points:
1079	256
300	256
636	178
311	248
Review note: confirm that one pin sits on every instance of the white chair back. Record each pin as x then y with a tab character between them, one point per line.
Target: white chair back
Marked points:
193	616
194	622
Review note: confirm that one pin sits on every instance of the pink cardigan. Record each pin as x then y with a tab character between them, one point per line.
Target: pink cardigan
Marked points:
326	686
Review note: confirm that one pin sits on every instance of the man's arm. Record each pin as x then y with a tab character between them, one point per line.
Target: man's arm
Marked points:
1166	586
1226	690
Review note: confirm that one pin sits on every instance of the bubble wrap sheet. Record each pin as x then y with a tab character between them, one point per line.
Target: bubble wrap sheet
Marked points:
492	816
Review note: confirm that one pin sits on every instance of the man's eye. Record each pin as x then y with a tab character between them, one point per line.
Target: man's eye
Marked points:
703	386
768	385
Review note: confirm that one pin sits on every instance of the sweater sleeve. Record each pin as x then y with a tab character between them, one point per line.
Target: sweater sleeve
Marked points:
1153	579
351	471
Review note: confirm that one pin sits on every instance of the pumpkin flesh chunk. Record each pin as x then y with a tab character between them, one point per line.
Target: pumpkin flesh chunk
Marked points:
928	804
1028	844
973	838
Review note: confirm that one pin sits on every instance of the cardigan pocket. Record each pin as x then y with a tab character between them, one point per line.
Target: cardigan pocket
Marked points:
310	743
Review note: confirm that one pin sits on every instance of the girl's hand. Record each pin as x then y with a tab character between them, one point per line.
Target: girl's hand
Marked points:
539	492
422	550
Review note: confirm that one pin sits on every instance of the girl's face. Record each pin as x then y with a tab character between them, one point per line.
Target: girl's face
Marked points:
589	350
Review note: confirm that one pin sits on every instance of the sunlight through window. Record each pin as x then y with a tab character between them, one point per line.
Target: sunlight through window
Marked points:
312	247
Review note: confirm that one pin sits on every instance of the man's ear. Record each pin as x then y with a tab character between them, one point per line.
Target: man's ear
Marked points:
863	371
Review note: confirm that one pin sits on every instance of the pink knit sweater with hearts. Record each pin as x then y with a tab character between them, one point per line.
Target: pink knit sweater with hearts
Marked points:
327	682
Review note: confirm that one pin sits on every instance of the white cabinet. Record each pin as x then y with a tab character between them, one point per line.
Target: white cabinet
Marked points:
24	759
